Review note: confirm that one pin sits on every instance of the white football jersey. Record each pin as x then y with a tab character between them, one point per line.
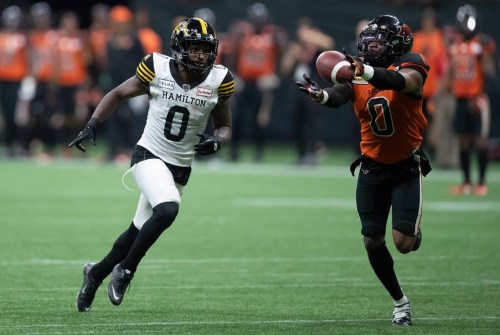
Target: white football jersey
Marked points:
178	111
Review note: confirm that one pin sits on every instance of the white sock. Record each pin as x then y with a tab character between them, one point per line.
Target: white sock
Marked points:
402	301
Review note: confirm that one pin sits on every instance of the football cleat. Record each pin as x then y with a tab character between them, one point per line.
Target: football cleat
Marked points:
402	315
462	189
418	240
120	280
481	190
87	292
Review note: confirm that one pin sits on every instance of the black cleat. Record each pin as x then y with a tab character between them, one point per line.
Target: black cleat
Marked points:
120	280
87	292
418	240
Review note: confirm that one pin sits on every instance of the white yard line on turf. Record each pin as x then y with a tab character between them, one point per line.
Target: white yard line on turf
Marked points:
255	322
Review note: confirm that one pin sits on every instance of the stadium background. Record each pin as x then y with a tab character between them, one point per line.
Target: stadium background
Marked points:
335	17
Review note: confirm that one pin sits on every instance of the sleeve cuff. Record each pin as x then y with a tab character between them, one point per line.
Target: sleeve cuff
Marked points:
325	97
368	74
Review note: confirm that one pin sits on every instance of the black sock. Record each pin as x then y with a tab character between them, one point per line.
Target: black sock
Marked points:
120	249
482	156
465	165
383	265
163	216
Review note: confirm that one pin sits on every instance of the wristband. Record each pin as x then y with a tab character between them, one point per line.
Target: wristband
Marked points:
368	74
325	98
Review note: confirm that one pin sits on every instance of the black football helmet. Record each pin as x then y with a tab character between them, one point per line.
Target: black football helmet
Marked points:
194	31
467	20
395	35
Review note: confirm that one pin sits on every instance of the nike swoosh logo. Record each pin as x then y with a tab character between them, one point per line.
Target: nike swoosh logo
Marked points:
114	293
84	289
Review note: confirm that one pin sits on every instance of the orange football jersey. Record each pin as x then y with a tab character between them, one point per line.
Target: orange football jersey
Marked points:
13	56
391	121
466	64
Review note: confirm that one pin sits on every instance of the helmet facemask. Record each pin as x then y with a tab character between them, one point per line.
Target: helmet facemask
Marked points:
394	35
374	58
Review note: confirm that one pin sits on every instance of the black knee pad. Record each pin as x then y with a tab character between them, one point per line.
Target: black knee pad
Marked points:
404	227
165	213
372	229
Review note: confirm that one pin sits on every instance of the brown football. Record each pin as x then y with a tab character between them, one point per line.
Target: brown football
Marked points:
333	67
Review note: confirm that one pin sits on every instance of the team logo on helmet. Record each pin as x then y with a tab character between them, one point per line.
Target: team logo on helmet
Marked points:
405	33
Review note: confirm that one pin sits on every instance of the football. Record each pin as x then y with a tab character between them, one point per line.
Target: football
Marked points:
333	67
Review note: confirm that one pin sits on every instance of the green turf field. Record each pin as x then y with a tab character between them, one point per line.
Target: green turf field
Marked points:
256	249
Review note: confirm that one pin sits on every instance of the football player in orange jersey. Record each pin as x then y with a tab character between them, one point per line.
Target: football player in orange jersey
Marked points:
14	65
430	42
386	91
256	52
471	61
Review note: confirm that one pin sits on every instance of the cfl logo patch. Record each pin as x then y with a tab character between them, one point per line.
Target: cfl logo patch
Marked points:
168	84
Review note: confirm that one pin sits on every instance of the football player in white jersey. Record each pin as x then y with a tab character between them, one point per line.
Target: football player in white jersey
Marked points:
183	90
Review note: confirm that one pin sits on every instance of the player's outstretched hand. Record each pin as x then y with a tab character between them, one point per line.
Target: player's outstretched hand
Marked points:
356	66
88	133
311	88
208	144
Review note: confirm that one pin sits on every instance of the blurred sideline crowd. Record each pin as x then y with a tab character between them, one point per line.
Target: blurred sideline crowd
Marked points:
53	73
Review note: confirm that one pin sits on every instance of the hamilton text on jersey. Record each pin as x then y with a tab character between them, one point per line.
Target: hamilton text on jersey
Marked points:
183	98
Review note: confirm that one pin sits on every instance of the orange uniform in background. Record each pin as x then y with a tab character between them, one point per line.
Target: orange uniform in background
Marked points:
13	56
257	54
13	68
42	45
471	60
71	66
467	66
432	47
150	40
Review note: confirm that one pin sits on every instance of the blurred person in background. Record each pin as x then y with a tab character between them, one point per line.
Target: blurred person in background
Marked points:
72	55
299	58
183	91
257	52
123	49
471	62
151	41
99	34
225	51
429	42
352	49
13	69
225	44
42	39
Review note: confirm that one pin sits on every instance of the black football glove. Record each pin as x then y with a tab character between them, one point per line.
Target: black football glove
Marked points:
88	133
311	88
208	144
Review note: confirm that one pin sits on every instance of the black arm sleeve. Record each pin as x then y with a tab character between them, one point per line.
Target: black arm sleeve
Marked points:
338	95
387	80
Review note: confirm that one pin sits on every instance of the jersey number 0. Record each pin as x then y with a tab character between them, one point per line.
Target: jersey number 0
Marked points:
379	109
170	131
